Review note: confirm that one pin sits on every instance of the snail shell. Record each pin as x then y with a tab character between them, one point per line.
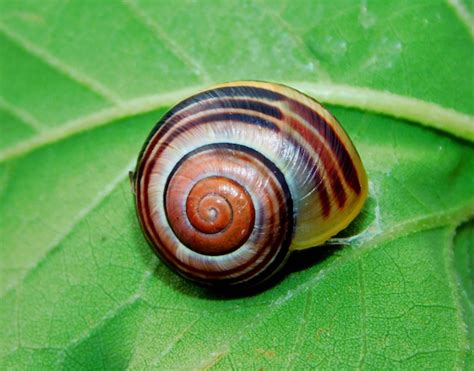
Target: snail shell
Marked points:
235	178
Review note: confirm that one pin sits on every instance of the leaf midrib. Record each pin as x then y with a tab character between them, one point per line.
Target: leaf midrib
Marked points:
381	102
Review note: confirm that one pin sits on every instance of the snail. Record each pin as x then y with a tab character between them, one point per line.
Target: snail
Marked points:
233	179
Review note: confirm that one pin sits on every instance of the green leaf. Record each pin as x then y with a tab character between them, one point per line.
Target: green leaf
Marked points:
82	84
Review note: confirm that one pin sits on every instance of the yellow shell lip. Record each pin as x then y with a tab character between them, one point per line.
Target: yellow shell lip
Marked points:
350	217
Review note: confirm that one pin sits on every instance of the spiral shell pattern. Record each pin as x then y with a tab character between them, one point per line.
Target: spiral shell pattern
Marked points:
233	179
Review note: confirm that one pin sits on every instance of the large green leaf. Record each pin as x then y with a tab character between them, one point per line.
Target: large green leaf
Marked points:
83	82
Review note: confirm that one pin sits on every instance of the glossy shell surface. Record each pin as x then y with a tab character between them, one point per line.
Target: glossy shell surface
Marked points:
234	178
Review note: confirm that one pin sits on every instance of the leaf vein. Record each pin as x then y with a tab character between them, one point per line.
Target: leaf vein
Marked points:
82	214
296	38
452	282
66	70
363	350
20	113
173	46
463	14
300	337
175	341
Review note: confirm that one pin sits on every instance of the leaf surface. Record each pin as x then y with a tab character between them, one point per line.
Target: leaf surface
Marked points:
83	83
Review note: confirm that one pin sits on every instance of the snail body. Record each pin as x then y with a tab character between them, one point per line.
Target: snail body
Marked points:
235	178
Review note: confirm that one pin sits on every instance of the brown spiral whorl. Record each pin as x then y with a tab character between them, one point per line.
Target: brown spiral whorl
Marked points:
232	213
218	217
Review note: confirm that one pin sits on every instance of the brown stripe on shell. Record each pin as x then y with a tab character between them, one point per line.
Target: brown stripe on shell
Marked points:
176	131
325	129
307	113
328	164
304	129
311	139
247	104
171	120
